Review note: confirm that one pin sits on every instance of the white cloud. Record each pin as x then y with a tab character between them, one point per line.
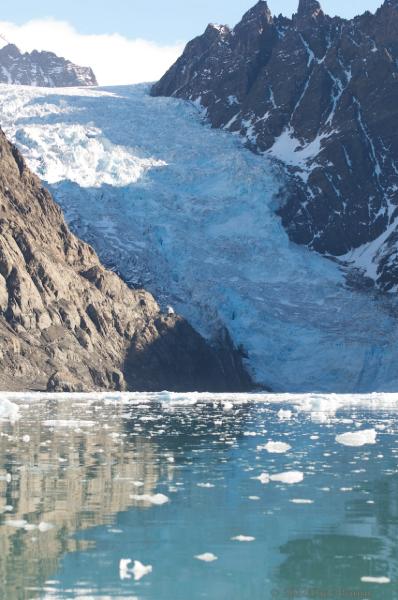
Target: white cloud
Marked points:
116	60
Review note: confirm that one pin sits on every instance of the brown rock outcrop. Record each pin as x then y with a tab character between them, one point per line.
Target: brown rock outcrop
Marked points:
68	324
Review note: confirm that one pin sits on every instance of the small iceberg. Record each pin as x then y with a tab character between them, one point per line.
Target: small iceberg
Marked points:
275	447
357	438
263	478
243	538
138	571
379	580
8	410
207	557
289	477
156	499
285	415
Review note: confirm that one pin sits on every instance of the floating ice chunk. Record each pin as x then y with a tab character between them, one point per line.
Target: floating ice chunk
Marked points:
275	447
205	485
26	439
263	478
157	499
124	565
43	527
207	557
8	410
288	477
301	501
254	497
17	523
137	483
285	415
139	570
357	438
375	580
243	538
227	406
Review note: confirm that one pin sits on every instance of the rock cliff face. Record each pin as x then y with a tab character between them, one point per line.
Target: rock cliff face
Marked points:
68	324
42	69
319	94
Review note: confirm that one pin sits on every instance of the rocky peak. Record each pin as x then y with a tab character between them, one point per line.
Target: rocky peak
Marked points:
309	8
214	31
258	11
308	12
257	17
320	95
43	69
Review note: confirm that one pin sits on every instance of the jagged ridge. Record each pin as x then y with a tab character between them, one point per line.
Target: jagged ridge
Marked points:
42	69
320	95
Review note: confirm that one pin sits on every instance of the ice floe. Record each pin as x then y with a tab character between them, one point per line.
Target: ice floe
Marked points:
207	557
275	447
357	438
379	580
8	410
157	499
138	570
243	538
289	477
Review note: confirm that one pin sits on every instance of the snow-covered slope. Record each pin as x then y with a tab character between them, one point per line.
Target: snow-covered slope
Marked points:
189	212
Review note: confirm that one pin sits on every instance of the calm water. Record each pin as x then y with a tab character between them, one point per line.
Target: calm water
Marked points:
73	468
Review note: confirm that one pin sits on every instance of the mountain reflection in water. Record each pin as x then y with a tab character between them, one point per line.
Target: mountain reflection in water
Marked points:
72	470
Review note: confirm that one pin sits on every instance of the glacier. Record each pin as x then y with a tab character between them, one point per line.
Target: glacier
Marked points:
189	213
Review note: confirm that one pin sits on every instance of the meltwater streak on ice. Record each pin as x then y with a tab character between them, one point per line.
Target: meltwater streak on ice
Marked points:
189	213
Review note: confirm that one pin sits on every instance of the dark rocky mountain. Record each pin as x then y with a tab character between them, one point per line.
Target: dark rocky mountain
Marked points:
43	69
68	324
320	95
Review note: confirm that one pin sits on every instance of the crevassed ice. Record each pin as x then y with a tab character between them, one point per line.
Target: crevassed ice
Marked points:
187	212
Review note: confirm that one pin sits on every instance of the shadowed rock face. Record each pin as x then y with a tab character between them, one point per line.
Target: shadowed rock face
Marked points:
320	94
67	324
43	69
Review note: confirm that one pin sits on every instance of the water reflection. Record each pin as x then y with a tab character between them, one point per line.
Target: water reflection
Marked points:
64	469
72	472
363	545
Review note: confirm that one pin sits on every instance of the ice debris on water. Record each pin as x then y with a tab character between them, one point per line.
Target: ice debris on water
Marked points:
289	477
243	538
157	499
263	478
379	580
284	415
207	557
138	570
357	438
8	410
275	447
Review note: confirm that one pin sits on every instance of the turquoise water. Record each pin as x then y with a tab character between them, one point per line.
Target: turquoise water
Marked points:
72	470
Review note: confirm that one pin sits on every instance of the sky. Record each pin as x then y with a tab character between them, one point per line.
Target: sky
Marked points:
129	41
